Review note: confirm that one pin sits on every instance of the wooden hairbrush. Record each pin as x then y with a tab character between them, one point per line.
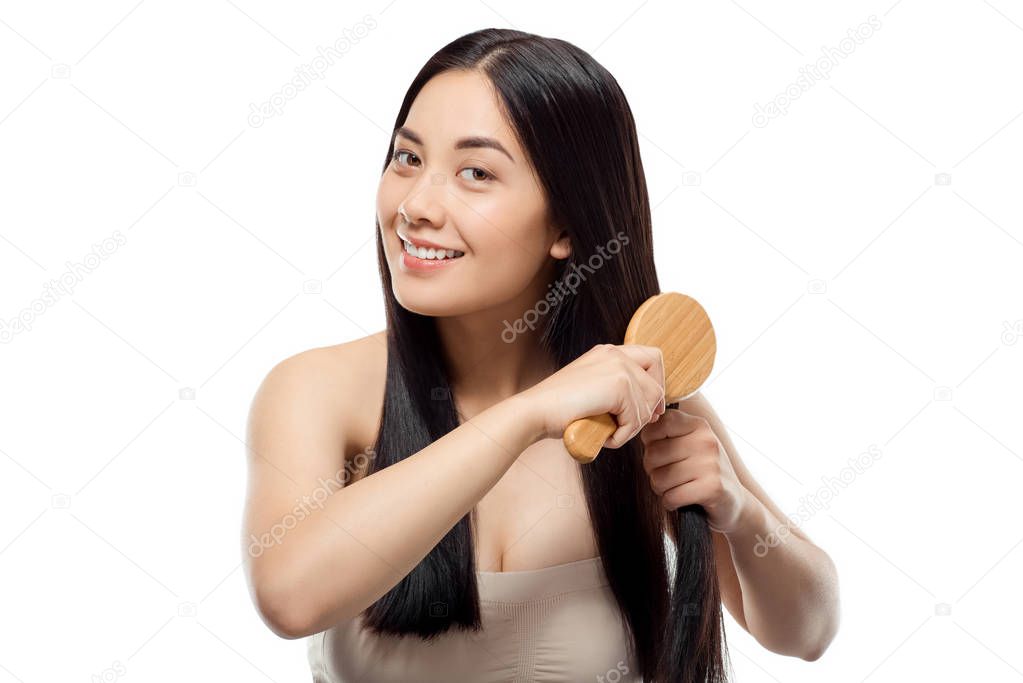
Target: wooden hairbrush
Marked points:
678	325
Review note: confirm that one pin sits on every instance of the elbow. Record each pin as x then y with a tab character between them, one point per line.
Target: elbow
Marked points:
815	653
281	615
832	606
282	608
808	651
286	625
818	651
276	603
290	615
808	642
286	605
824	642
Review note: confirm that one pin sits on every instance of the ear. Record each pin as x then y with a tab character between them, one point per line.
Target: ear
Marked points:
562	247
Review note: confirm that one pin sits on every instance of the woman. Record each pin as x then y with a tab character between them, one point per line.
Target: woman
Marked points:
514	242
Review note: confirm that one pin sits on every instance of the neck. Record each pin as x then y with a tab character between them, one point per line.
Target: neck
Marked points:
490	360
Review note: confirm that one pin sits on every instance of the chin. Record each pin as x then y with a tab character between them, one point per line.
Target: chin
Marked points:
435	304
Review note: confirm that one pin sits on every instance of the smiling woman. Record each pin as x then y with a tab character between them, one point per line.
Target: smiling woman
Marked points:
458	180
471	546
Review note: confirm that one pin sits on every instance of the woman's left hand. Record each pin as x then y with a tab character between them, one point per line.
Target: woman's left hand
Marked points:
687	464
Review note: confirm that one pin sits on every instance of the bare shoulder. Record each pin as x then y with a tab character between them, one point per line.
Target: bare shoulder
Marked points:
343	383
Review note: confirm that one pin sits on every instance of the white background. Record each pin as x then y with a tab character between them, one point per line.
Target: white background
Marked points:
859	300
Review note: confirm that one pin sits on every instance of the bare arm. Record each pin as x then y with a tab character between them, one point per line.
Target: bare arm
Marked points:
786	594
339	553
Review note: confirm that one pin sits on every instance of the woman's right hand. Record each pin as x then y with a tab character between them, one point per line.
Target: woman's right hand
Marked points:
624	380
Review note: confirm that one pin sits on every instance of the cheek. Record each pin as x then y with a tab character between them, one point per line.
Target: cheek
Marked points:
505	223
506	252
386	201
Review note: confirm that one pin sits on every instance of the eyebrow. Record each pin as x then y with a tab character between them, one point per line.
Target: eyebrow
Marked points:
472	142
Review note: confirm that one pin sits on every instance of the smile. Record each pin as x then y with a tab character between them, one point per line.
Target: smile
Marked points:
431	253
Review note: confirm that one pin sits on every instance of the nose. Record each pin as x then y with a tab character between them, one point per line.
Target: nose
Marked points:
425	203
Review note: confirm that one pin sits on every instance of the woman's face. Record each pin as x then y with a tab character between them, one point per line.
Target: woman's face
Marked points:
460	191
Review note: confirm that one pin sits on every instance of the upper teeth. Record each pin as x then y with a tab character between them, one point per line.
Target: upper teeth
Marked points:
431	253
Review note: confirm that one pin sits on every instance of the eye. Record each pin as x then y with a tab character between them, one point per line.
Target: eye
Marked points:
487	177
397	154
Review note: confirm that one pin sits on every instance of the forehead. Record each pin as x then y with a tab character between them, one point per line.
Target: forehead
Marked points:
455	104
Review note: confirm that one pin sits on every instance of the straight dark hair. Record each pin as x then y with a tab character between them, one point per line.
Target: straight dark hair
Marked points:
573	120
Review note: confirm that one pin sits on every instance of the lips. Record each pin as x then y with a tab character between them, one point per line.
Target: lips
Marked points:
427	244
413	263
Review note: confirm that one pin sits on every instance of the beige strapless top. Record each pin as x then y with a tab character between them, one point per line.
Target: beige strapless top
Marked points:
558	623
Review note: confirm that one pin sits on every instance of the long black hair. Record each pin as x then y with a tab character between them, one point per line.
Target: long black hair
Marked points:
574	122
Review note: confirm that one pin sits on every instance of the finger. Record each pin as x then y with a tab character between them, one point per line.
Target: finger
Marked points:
646	356
647	395
640	411
673	423
682	495
663	479
663	453
620	435
651	360
657	373
651	379
623	431
653	395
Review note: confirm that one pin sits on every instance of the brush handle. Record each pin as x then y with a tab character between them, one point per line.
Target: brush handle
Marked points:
584	438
